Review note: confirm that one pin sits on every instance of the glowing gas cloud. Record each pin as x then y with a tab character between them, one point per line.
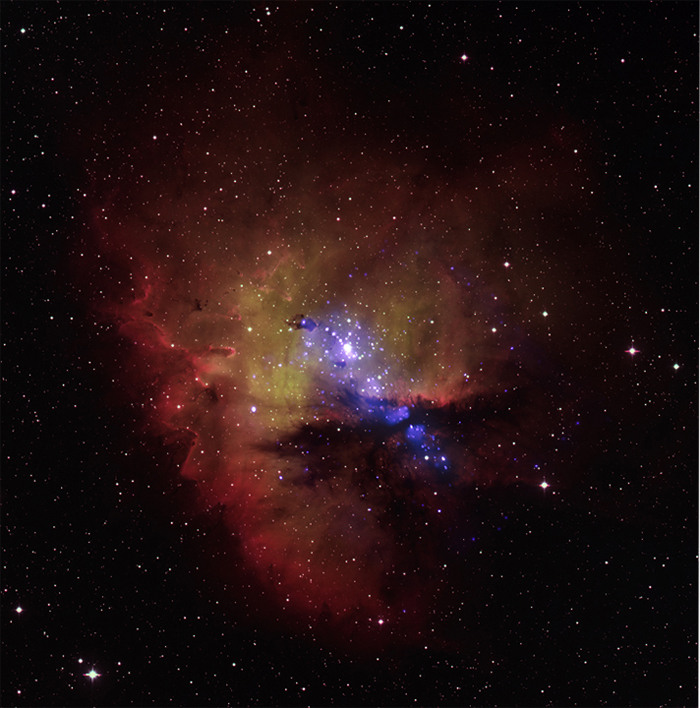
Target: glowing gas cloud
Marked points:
322	330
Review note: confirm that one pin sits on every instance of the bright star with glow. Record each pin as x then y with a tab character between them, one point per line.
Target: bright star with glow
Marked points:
544	485
19	610
632	351
676	366
92	674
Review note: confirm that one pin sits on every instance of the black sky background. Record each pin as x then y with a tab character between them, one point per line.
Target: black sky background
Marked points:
589	603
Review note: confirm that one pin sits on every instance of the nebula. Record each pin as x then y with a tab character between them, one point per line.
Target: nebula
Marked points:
342	341
350	354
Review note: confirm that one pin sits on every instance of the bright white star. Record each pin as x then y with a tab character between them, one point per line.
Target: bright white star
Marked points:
632	351
92	674
544	485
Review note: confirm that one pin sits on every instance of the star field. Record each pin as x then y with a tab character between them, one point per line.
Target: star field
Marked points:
350	354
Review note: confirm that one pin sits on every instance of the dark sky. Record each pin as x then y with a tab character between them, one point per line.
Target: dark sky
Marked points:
350	354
